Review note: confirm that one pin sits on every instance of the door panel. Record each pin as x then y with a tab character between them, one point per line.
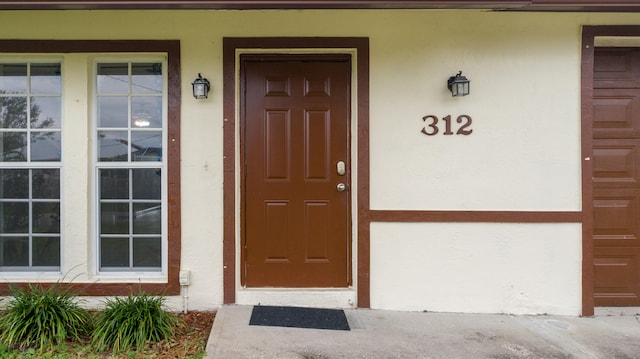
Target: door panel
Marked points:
615	276
616	113
295	128
615	217
616	177
616	68
616	163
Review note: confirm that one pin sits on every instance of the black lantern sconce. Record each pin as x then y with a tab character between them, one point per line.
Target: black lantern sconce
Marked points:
458	85
201	87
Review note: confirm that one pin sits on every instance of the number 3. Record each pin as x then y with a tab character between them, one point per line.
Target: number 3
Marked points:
432	125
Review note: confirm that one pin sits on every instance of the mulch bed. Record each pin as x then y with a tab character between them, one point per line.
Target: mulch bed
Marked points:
190	337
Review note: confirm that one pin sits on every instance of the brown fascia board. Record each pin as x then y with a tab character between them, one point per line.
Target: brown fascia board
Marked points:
509	5
261	4
584	5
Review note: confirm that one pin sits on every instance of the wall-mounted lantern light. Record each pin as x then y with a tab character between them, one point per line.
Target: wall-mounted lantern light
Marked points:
458	85
201	87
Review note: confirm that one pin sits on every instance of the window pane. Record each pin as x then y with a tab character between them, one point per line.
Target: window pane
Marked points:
15	251
46	183
46	217
13	112
146	183
45	78
113	146
147	252
147	218
146	78
13	146
129	126
45	146
14	217
146	112
45	112
32	133
114	184
113	78
114	218
114	252
146	146
13	78
15	184
113	111
46	251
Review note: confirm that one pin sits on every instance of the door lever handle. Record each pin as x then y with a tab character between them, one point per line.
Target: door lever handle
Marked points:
341	168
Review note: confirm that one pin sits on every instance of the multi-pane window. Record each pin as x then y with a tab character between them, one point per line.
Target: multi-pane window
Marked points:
130	132
30	164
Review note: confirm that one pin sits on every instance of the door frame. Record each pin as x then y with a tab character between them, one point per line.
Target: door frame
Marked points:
589	34
232	48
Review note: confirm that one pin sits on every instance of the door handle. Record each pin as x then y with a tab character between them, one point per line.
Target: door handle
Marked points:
341	187
341	168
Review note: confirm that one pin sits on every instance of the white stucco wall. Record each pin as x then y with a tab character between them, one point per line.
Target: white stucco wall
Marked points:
524	103
482	267
524	153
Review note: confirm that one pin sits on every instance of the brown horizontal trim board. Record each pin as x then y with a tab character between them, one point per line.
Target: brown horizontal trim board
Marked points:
475	216
531	5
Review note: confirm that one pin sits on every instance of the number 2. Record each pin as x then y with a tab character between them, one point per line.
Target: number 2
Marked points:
462	130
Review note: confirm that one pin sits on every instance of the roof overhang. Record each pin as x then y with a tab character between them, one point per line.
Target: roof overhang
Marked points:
519	5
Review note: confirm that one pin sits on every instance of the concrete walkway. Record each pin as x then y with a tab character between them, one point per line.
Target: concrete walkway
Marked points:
390	334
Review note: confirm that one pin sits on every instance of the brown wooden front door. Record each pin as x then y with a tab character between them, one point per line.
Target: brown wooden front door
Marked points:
295	144
616	177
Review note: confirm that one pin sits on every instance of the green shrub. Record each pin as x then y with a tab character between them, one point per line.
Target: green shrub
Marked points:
42	317
130	322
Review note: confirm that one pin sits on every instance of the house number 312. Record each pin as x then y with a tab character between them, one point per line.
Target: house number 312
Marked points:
433	125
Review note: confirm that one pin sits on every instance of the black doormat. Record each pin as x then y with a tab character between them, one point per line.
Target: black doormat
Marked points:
296	317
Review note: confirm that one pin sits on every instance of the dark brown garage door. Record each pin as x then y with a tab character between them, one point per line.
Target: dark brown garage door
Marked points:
296	170
616	177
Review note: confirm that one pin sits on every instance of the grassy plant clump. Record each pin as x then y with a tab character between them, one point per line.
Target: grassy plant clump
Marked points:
42	317
130	322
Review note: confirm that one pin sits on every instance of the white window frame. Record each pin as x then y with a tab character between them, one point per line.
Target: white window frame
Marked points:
128	273
39	271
